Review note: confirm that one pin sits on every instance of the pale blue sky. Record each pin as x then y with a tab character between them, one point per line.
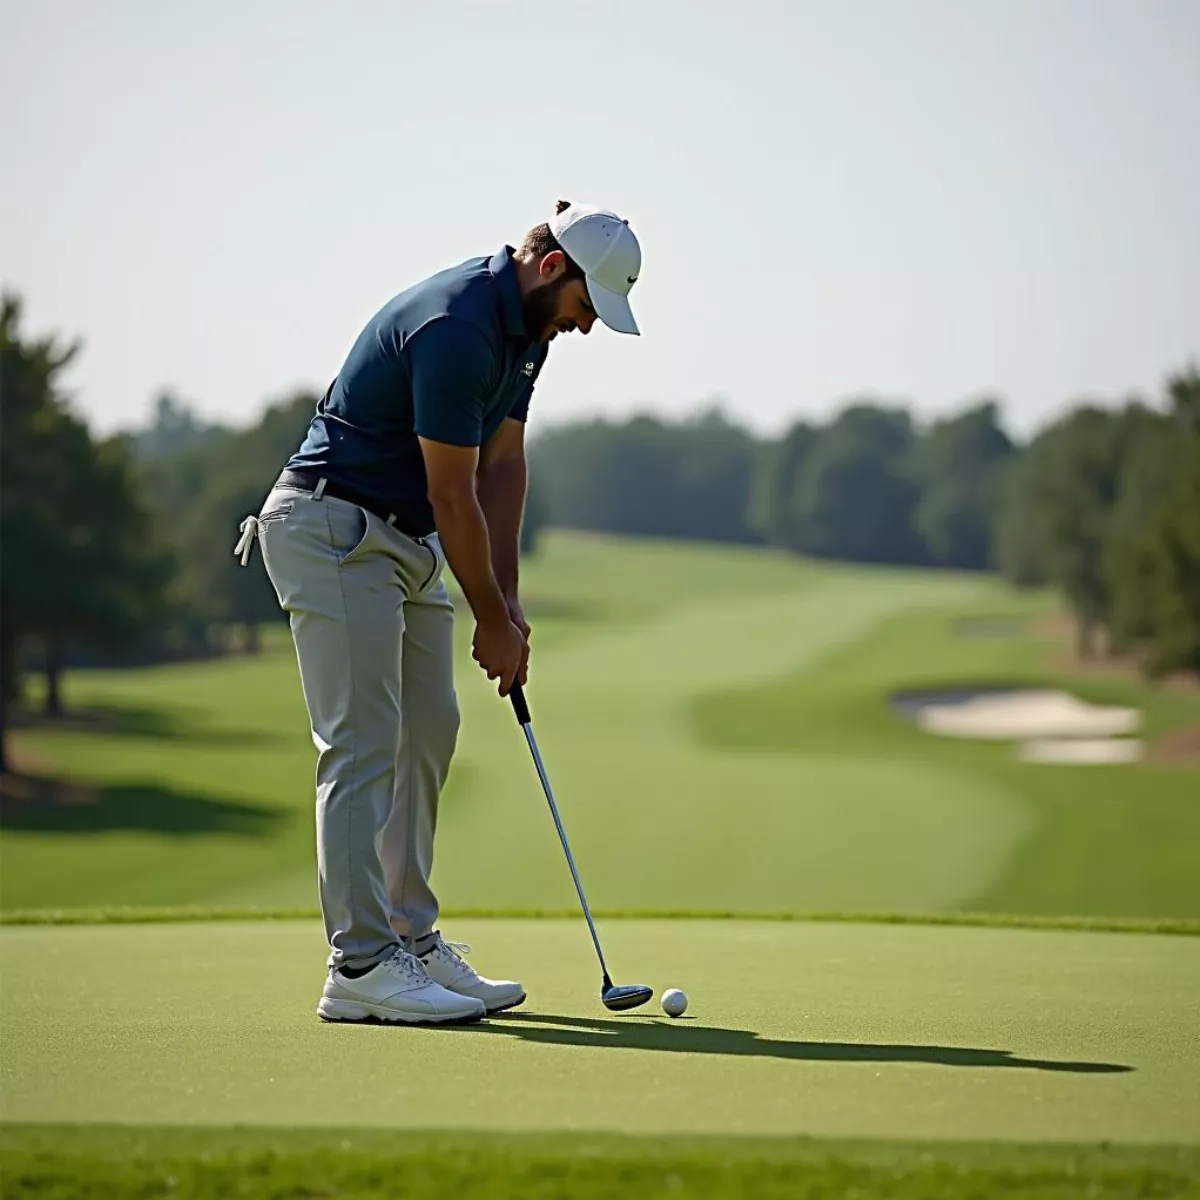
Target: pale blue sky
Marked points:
924	200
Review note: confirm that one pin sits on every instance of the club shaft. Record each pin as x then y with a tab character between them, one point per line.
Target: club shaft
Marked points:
562	834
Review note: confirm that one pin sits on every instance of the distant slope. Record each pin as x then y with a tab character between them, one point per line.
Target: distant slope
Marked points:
715	723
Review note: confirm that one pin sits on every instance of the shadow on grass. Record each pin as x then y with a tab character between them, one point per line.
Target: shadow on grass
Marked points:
698	1039
50	806
122	721
912	700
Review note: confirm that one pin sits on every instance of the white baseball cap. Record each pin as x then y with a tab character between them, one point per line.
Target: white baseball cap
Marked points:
603	246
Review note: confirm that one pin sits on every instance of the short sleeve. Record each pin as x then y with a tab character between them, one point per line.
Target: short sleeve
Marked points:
520	408
452	367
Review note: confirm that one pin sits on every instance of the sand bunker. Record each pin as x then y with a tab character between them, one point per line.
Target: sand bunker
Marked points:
1081	750
1050	726
1009	716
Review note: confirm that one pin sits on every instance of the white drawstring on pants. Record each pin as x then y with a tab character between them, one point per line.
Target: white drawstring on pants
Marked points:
249	530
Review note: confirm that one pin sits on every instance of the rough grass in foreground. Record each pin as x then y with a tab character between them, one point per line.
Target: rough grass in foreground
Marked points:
130	915
107	1162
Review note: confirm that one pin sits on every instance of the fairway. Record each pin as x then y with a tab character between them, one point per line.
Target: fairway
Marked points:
853	1031
718	728
720	731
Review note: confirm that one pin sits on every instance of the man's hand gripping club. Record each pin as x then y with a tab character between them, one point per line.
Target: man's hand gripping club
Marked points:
500	644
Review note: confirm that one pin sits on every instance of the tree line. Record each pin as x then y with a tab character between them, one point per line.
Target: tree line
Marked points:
81	557
119	549
867	486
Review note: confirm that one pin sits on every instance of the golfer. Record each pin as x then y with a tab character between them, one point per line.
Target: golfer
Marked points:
414	460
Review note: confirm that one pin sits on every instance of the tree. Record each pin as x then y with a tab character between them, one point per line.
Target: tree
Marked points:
1063	508
175	428
1171	557
80	560
202	493
1020	540
689	479
855	493
535	518
105	585
606	476
1146	475
774	486
959	467
714	466
1183	395
1153	566
222	590
32	417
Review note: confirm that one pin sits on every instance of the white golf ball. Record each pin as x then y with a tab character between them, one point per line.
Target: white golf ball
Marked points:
674	1002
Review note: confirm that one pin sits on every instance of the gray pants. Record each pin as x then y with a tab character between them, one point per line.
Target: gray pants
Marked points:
373	625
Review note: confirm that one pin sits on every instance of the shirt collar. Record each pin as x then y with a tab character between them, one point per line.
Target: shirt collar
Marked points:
504	271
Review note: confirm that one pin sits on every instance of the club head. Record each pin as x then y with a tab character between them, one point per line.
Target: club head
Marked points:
618	999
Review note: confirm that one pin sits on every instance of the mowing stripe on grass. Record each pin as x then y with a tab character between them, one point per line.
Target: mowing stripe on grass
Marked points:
128	915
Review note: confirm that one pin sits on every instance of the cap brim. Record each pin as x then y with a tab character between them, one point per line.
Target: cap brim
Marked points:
612	308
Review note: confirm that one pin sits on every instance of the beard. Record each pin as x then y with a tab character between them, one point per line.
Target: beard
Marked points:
541	310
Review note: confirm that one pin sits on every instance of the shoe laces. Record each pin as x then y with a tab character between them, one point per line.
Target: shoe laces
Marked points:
406	967
454	951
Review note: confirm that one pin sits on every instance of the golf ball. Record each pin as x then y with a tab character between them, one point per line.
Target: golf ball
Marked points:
674	1002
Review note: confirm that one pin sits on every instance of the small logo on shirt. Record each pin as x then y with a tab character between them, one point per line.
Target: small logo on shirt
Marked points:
528	370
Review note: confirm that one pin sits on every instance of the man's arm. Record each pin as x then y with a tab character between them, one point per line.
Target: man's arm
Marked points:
452	363
450	471
499	644
502	481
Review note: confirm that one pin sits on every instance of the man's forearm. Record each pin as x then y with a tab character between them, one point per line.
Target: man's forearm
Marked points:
502	499
464	535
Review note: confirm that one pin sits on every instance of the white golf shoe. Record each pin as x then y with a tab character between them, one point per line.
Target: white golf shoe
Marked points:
397	989
445	965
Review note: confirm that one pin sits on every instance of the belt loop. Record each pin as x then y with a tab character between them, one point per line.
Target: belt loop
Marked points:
319	490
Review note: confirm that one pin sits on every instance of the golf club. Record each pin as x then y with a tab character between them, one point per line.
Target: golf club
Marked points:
616	999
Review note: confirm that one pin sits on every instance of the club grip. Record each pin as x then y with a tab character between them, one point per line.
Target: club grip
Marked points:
517	695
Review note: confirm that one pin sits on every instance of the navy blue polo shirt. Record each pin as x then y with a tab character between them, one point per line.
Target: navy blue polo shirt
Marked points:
448	360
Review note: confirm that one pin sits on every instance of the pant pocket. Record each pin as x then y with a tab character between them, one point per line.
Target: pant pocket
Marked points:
437	562
349	529
275	513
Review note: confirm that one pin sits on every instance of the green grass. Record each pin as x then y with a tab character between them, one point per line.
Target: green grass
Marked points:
717	727
794	1029
184	1060
113	1163
1115	839
978	1003
128	915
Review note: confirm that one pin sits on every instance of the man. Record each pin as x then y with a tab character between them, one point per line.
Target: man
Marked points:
415	460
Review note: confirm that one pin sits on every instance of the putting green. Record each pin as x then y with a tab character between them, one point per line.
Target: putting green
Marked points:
835	1030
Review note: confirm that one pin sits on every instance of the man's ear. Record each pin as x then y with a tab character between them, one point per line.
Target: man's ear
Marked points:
552	266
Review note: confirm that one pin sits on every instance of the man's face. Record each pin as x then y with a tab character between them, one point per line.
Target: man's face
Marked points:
558	304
